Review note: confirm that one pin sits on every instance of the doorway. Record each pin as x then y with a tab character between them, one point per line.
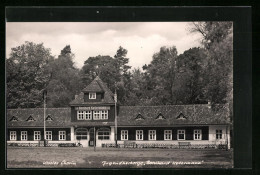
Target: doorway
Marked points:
92	141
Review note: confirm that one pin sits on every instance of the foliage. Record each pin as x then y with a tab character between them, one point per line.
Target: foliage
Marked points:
65	80
27	74
197	76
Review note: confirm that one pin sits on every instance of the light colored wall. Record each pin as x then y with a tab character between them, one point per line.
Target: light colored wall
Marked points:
72	135
225	134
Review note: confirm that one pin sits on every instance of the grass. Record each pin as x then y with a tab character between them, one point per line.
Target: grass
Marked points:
57	157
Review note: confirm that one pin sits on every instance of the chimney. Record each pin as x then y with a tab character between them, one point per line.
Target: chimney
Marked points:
76	96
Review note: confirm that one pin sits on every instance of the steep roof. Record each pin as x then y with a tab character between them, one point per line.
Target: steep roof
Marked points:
97	85
60	117
192	115
127	116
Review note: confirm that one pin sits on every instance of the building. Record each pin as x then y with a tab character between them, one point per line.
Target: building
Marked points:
91	121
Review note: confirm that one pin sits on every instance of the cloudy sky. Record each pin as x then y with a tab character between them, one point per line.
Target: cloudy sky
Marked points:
141	39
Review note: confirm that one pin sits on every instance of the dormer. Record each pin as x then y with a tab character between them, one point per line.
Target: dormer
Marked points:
160	117
13	119
49	118
181	117
139	117
30	118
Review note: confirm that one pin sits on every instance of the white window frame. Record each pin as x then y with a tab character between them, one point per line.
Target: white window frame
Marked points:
139	135
103	133
62	135
80	115
92	95
38	134
104	114
152	135
181	131
198	133
167	133
13	135
49	134
88	115
219	134
124	134
96	115
24	135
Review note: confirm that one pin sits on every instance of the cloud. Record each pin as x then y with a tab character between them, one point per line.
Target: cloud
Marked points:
141	39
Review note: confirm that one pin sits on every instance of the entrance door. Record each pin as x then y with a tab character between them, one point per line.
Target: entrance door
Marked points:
82	136
91	137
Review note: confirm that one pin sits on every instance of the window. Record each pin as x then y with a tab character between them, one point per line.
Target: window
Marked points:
48	135
96	115
181	134
62	135
12	135
197	134
124	135
139	134
103	134
37	135
23	135
80	115
104	114
92	95
167	134
81	134
218	134
88	115
152	134
84	115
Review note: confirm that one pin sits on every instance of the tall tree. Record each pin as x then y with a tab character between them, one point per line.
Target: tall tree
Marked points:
191	78
217	38
65	81
27	74
113	71
160	74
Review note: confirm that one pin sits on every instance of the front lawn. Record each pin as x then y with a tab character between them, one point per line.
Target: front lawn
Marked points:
64	157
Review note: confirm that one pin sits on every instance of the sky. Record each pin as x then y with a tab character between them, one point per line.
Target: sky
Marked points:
89	39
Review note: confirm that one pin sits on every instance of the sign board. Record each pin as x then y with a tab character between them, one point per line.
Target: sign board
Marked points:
85	108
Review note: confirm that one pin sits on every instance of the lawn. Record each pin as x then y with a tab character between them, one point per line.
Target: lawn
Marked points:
64	157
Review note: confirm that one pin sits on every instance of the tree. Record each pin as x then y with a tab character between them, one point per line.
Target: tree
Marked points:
27	75
191	78
160	76
65	80
113	71
217	39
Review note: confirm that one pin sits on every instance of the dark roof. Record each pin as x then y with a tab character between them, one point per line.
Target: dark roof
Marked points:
127	116
97	85
60	117
193	114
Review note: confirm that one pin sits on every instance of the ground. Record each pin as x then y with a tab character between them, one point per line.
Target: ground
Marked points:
78	157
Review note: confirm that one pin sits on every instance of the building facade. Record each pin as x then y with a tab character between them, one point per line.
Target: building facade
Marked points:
90	120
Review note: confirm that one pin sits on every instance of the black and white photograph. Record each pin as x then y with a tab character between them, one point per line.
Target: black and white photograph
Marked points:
119	94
